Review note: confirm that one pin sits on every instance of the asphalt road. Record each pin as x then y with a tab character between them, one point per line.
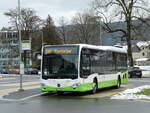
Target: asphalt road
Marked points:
70	103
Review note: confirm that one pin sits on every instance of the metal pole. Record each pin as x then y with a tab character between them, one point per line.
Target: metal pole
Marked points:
100	31
20	50
42	38
30	38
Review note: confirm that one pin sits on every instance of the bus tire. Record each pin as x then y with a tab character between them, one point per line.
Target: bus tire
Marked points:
94	86
118	83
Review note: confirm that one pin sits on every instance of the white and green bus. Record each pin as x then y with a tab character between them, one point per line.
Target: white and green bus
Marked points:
82	67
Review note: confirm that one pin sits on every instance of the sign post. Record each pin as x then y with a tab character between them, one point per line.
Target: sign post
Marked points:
20	49
21	73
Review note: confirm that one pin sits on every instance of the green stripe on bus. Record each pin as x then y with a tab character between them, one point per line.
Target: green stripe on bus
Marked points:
81	88
84	87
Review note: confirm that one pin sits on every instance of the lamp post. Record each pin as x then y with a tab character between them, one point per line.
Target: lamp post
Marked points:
20	49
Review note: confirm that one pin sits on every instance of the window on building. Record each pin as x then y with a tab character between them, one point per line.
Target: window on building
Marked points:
9	35
143	54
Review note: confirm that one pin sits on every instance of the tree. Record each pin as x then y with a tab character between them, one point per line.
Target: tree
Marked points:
50	36
85	28
125	10
30	23
29	19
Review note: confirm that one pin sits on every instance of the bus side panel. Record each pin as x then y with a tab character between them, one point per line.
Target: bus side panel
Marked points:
124	78
109	80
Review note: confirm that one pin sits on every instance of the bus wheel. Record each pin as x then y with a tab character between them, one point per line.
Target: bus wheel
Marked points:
118	83
94	85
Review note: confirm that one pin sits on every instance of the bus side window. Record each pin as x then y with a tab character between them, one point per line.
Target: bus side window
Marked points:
85	64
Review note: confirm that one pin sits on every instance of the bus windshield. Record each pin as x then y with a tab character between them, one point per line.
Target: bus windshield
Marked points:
60	63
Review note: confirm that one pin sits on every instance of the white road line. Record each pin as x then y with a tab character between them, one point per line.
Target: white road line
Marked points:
11	78
23	99
17	84
6	91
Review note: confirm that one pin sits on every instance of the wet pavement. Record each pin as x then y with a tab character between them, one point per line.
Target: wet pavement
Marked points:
53	104
30	102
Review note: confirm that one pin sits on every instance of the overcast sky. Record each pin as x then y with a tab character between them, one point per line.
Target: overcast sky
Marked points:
56	8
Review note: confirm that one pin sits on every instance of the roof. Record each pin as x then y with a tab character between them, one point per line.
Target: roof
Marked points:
105	48
142	59
143	43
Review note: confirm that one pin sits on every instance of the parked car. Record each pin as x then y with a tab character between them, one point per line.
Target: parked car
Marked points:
4	71
135	71
34	71
30	71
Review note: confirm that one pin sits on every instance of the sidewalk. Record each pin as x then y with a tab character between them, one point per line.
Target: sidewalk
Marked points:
15	75
8	75
146	73
22	95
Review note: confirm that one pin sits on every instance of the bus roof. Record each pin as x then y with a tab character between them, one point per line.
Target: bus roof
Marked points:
105	48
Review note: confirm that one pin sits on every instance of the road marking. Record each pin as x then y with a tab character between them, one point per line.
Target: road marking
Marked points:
11	78
6	91
22	99
24	83
26	86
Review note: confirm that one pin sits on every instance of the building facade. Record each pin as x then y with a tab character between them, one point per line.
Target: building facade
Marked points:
141	51
9	49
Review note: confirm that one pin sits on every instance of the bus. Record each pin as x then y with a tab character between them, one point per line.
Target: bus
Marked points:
82	67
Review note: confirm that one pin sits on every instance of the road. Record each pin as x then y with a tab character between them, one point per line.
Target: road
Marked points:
70	103
11	83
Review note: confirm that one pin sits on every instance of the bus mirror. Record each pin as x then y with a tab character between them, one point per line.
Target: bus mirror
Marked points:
39	57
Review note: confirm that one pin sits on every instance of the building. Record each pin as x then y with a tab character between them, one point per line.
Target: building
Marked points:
141	51
9	49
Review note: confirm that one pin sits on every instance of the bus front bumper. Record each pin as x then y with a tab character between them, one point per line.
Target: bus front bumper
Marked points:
80	88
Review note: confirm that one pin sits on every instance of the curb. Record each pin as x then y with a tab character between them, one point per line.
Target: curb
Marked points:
22	99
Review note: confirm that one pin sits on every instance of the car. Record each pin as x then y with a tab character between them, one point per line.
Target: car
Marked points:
31	71
135	71
5	71
15	71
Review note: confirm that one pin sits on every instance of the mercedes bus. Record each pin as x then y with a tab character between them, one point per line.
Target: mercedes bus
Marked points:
82	67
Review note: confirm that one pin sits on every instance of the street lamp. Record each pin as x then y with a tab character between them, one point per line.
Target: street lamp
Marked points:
20	49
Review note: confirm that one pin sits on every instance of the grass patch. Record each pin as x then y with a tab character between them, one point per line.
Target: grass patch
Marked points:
144	92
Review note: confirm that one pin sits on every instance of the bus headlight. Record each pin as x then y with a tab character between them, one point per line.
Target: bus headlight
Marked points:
76	85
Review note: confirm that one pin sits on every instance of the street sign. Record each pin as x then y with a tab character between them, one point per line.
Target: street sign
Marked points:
26	45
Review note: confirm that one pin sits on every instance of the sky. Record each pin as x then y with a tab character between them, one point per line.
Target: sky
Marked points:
55	8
